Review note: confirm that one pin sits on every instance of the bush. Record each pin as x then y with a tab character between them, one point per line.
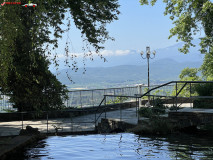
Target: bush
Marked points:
205	89
203	103
159	107
117	100
145	112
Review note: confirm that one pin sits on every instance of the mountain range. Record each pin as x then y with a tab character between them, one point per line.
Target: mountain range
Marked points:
130	69
100	77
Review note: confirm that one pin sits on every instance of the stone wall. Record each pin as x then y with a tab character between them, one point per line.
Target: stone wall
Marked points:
113	126
187	119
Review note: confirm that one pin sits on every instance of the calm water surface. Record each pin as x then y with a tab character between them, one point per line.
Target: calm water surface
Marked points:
121	146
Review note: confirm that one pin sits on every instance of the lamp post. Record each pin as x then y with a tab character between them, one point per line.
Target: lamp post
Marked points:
148	56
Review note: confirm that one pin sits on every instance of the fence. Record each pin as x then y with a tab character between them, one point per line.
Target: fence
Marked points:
178	93
91	98
84	98
66	121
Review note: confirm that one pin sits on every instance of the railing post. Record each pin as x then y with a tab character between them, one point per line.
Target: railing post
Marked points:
68	99
190	94
71	123
47	121
140	93
114	97
120	112
105	105
95	117
80	99
137	106
153	101
22	119
93	100
176	96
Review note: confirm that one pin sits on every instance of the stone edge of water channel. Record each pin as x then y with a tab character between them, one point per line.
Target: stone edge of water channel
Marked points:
16	144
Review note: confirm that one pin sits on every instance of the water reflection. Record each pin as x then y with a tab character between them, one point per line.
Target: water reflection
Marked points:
182	146
123	146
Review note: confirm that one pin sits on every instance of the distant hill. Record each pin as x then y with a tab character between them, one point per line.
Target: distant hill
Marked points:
99	77
133	57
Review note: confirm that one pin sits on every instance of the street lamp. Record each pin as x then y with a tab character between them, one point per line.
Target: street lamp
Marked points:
148	56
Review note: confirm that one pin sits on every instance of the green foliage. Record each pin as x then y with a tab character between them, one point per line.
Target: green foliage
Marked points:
207	67
145	112
158	106
173	107
190	18
27	36
204	89
187	74
45	24
203	103
157	109
117	100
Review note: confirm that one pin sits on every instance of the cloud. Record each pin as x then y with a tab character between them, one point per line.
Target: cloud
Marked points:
105	53
122	52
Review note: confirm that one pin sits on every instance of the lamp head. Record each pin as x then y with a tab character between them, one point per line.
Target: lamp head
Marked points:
154	52
142	53
147	50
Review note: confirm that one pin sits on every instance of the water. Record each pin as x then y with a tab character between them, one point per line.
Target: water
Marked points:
121	146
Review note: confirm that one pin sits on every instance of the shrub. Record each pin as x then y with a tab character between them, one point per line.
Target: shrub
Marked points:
159	107
203	103
145	112
205	89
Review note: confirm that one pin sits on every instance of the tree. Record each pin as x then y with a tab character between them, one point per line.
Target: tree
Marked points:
207	67
27	36
187	74
190	18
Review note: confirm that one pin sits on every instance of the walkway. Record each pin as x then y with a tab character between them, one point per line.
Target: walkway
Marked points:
76	124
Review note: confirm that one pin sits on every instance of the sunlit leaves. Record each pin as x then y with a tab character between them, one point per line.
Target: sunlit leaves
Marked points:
190	18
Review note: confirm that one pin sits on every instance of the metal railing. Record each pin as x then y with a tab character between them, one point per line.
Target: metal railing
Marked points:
46	123
184	90
83	98
100	110
91	98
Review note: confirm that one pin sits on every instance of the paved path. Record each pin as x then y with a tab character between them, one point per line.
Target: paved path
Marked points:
76	124
195	110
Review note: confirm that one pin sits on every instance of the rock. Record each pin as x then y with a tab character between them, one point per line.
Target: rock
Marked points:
29	131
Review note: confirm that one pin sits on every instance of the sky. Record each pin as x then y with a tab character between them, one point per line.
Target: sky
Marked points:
137	27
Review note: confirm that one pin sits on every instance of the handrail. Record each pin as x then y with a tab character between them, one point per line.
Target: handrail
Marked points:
96	119
140	96
174	82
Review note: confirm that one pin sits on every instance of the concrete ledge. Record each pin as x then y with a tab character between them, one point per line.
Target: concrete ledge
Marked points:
192	117
17	144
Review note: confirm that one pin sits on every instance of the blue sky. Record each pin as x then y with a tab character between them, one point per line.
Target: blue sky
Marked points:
138	26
